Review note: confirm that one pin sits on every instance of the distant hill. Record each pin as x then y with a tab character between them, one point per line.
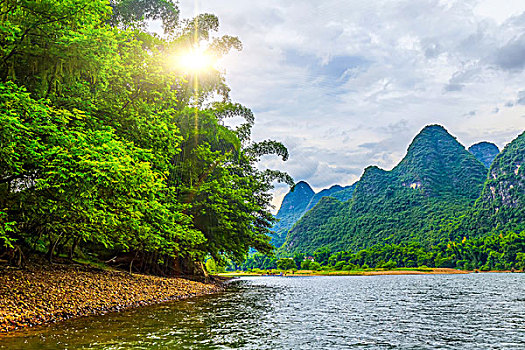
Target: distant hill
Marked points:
327	208
437	179
341	193
505	186
345	194
502	202
292	208
485	152
299	201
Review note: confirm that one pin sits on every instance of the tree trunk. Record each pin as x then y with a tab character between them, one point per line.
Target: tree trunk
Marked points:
52	248
73	248
192	269
131	262
204	272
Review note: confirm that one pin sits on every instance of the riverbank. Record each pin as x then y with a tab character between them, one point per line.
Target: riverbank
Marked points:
368	272
48	293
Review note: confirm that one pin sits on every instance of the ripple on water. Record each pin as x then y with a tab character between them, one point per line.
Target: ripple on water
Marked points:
477	311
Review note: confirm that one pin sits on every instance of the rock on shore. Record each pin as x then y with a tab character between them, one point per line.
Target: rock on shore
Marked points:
51	293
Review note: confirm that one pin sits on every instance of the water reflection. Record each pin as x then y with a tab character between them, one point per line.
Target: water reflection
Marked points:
482	311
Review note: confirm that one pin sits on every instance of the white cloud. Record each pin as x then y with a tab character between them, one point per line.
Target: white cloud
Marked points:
347	84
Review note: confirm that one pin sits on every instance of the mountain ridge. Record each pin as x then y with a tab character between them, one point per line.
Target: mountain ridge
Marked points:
436	179
292	208
296	204
485	152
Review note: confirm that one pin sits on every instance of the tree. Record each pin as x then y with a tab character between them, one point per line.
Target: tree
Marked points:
298	259
108	149
322	255
286	264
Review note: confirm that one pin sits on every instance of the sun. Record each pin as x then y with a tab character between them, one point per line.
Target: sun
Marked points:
194	61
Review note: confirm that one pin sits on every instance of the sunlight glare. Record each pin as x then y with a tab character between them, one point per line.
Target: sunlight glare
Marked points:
195	60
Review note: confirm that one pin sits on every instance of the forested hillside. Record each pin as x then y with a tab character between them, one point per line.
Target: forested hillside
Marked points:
301	200
505	186
336	191
436	181
292	208
501	206
485	152
109	147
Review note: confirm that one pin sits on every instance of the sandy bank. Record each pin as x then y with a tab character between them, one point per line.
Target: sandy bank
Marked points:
430	271
436	271
51	293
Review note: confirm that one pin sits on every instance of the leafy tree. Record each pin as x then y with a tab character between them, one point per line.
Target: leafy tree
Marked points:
108	149
314	265
305	264
286	264
322	255
298	259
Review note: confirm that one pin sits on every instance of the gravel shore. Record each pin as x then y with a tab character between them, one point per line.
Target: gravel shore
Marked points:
51	293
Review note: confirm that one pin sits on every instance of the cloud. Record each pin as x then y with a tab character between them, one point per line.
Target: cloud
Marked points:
349	84
521	98
512	55
454	87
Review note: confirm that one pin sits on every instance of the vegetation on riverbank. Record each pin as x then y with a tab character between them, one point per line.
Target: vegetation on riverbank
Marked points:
494	252
111	149
43	293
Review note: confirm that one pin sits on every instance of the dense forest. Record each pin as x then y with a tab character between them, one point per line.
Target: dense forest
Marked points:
299	202
492	252
110	150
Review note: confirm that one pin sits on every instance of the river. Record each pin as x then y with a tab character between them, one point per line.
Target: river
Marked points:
475	311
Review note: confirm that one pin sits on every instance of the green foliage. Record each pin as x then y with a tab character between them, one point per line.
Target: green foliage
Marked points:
310	265
260	261
322	255
107	149
493	252
298	259
311	224
299	202
286	264
436	181
314	265
305	264
135	12
390	264
6	231
213	268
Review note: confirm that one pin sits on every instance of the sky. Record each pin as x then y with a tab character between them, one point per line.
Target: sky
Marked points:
345	84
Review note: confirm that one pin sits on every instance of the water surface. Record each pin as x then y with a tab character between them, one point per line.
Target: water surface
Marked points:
476	311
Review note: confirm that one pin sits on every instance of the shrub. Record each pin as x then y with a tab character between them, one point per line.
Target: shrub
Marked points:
339	265
350	267
305	264
314	265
